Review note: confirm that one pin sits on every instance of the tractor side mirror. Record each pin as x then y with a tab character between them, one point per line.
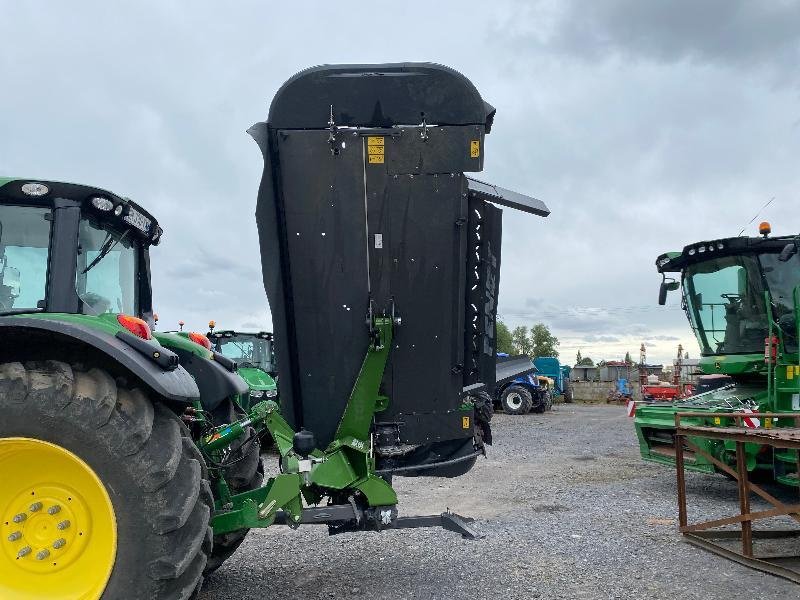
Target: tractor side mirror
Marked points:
666	286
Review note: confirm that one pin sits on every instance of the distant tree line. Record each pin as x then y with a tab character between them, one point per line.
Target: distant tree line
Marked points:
534	341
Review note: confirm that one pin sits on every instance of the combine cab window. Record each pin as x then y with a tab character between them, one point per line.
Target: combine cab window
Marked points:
782	277
24	250
725	298
107	270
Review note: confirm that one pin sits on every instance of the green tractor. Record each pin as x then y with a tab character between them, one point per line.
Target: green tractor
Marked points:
254	357
742	299
129	466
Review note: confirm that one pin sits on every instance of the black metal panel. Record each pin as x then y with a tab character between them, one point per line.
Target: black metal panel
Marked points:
492	193
435	149
325	228
417	255
378	96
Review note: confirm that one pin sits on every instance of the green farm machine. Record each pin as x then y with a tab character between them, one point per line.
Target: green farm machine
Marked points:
742	298
254	357
130	467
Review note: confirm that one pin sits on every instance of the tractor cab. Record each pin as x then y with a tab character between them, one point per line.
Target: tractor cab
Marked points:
254	358
73	249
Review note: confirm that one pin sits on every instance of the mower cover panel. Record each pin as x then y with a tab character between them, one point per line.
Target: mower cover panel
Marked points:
364	209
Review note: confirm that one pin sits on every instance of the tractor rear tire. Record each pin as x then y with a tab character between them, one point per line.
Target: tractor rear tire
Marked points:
516	400
246	474
133	521
568	395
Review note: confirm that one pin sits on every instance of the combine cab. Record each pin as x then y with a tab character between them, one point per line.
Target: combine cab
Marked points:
742	300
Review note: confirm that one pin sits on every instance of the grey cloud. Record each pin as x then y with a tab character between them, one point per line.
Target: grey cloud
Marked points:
600	339
732	32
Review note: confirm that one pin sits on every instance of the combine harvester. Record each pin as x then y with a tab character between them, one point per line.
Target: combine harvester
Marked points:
742	300
128	468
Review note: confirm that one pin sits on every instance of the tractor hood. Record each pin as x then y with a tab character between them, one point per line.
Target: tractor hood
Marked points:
388	224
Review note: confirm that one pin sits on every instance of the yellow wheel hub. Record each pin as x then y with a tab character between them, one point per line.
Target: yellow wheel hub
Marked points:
58	531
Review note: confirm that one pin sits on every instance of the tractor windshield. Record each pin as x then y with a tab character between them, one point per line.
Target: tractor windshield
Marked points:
725	301
248	351
107	267
24	249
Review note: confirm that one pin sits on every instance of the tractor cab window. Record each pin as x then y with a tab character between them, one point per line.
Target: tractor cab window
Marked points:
107	270
249	351
782	278
24	249
725	299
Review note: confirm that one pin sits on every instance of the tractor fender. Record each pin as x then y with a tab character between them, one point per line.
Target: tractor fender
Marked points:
21	339
216	383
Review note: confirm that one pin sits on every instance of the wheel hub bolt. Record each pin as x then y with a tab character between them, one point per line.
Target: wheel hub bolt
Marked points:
36	506
63	525
59	543
24	552
20	517
42	554
15	536
54	510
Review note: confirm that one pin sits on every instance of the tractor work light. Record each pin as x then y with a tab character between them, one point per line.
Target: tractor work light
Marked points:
256	393
199	338
136	326
34	189
103	204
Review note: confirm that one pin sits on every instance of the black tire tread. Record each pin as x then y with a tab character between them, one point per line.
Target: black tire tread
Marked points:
527	400
170	503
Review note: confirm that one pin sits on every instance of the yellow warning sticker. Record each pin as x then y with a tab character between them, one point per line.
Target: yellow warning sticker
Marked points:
768	423
717	421
797	370
790	372
464	422
474	148
375	149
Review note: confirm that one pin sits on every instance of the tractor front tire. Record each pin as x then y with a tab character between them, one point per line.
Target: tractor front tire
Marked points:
516	400
103	496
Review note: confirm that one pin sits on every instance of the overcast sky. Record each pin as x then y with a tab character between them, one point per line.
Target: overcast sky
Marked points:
643	125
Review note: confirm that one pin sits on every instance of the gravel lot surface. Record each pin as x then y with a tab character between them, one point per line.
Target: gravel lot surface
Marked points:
568	509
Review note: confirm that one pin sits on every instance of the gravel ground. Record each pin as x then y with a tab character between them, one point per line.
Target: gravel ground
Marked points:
568	509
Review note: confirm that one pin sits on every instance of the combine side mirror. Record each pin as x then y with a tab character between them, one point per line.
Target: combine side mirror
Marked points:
788	251
666	286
